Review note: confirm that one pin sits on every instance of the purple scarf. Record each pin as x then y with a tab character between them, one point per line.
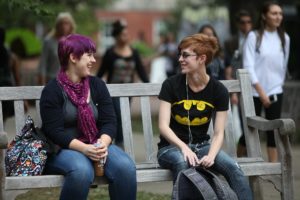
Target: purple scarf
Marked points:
78	93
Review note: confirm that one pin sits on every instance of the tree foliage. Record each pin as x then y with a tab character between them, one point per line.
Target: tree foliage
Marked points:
20	13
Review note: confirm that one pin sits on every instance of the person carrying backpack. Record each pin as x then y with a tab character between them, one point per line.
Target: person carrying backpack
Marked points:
188	103
265	56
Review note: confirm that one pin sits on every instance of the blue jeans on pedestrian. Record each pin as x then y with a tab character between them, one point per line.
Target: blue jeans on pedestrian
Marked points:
170	157
78	171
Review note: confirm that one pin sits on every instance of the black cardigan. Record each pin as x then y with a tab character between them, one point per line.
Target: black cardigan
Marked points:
51	109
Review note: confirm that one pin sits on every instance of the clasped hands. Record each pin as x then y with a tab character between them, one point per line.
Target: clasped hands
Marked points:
192	158
96	152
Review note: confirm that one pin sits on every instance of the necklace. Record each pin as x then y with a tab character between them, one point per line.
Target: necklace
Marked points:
188	112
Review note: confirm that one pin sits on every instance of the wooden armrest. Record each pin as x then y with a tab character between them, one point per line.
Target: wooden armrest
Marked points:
3	140
285	126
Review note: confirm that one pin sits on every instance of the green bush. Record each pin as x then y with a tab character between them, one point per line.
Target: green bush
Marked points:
31	44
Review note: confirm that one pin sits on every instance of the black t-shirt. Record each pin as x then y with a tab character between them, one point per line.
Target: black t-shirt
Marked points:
201	107
122	69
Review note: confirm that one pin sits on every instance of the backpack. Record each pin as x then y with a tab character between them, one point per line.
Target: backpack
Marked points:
201	183
26	155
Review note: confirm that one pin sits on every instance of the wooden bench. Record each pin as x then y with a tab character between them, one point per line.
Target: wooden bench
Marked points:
148	170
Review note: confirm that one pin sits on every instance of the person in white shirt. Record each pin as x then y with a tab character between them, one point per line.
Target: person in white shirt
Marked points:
265	55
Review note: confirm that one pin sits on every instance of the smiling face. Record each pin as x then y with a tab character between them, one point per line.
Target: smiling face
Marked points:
273	17
82	66
188	60
196	51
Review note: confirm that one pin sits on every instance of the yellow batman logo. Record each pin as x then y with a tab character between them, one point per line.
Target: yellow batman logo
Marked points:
195	122
187	104
199	112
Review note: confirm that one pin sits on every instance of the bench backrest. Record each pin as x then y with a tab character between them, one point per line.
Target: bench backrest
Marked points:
144	93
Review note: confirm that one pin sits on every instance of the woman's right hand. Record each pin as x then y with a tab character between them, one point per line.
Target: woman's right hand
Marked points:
92	152
234	99
189	156
265	100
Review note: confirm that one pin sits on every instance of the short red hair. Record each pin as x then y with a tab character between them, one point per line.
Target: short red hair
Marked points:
200	44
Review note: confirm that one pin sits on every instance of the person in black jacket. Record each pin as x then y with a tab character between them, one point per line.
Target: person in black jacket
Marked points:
121	62
216	67
9	73
77	113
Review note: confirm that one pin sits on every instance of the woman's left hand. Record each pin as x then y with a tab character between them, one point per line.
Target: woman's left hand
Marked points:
102	149
207	161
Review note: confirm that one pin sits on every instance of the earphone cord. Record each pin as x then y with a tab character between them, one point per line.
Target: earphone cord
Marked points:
188	112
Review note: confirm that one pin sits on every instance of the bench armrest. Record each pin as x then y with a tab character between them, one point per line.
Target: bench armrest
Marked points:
3	140
285	126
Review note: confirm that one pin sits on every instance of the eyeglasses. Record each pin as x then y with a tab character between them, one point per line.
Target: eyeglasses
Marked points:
185	55
245	22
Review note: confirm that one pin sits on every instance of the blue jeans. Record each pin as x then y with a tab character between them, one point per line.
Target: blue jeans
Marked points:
170	157
78	171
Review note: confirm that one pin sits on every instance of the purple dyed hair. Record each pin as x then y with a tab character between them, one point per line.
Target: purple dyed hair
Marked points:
74	44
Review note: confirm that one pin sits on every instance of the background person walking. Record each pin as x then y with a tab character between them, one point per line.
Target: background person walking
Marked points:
121	62
49	63
265	55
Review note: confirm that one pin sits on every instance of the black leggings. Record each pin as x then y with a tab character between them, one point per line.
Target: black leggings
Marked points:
273	112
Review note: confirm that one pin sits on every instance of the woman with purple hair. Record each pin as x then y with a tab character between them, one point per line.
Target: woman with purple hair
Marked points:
77	112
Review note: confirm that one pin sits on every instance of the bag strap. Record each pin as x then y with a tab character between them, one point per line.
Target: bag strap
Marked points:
201	183
220	185
258	41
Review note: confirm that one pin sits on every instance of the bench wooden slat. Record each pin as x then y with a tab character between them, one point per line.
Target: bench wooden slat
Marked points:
229	134
147	128
1	118
29	182
287	126
248	110
20	117
249	159
153	175
256	169
134	89
38	120
45	181
3	142
147	165
232	85
126	126
21	92
143	175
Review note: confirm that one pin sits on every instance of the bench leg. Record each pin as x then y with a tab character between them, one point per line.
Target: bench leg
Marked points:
256	187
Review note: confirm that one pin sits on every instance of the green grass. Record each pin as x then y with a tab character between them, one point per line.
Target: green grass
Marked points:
94	194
